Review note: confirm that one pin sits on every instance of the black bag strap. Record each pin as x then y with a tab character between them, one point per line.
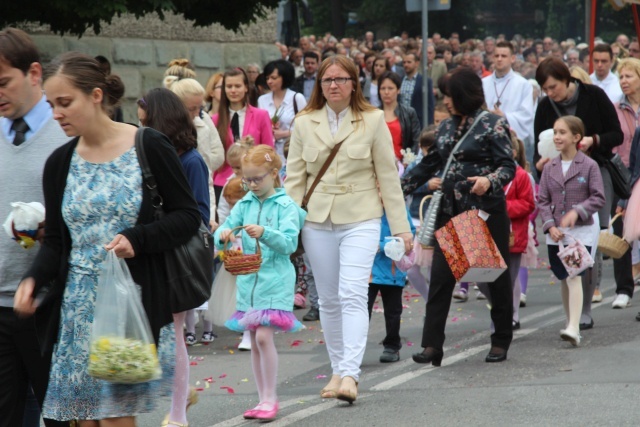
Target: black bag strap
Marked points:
148	179
460	141
323	169
295	104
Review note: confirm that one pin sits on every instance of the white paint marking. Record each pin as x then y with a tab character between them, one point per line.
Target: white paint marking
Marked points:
407	376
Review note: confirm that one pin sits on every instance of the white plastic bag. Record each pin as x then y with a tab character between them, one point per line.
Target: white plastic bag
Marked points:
23	221
122	347
394	249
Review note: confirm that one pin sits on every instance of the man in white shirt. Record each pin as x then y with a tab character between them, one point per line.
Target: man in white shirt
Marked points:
602	57
510	95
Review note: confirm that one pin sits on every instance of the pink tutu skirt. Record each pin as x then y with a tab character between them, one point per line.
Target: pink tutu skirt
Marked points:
249	321
631	230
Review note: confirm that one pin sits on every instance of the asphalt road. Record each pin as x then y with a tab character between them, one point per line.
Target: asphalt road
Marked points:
544	382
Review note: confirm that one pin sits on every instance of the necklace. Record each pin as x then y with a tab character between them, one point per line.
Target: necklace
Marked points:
499	95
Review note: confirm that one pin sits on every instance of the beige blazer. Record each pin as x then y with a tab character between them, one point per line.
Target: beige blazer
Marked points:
347	192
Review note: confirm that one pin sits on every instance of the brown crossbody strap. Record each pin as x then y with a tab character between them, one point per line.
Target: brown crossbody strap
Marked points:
323	169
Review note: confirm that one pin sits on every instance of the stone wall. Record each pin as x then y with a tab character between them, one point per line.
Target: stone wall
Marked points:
139	50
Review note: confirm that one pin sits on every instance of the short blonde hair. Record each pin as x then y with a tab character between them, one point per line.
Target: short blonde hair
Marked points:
178	69
238	149
632	64
186	87
580	74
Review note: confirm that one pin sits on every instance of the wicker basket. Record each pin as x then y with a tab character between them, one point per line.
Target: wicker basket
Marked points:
610	244
237	263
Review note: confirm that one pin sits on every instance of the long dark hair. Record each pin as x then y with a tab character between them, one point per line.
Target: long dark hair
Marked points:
223	110
166	113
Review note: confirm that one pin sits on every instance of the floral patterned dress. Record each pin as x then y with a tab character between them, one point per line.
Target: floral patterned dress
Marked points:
486	151
100	199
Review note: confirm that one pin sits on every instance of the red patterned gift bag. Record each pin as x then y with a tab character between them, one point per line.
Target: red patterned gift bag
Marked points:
469	249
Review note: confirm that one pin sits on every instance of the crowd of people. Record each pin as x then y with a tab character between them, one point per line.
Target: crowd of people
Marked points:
319	162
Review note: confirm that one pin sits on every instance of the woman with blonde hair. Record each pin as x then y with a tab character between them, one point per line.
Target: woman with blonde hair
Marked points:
580	74
342	230
212	93
178	69
191	93
629	73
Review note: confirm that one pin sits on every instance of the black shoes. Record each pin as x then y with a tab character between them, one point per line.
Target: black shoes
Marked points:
515	325
585	326
389	355
429	355
312	315
496	354
638	317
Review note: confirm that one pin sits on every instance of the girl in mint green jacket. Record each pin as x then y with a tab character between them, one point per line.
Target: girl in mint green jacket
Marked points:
265	298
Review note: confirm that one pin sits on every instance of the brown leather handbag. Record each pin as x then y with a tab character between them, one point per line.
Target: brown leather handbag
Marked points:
305	200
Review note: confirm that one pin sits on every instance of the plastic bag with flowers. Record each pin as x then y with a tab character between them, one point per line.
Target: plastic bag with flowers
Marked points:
122	347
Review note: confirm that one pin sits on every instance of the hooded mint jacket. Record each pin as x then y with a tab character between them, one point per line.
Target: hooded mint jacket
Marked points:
273	286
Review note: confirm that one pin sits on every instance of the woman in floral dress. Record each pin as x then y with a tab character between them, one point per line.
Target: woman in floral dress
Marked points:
95	201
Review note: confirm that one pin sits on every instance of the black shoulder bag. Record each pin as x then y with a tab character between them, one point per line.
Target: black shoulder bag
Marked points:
188	267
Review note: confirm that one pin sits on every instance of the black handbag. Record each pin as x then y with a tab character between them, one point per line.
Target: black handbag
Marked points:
188	267
620	176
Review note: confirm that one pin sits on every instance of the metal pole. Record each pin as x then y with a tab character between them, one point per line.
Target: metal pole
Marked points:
636	19
587	19
592	33
425	83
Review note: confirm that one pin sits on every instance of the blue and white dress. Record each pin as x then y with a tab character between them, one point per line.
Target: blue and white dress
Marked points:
100	200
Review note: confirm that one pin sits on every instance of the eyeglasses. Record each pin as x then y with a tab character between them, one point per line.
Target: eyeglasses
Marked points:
338	80
257	180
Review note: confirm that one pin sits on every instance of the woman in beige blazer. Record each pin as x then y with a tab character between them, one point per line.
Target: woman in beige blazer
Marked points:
342	230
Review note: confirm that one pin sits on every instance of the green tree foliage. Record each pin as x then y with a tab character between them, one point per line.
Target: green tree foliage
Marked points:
479	18
76	16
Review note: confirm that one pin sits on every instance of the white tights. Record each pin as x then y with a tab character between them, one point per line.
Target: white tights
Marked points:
572	301
181	376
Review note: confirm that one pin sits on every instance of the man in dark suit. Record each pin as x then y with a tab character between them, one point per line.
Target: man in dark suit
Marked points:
306	82
411	89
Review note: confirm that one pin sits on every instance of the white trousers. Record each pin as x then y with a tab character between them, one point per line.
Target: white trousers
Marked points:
341	261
